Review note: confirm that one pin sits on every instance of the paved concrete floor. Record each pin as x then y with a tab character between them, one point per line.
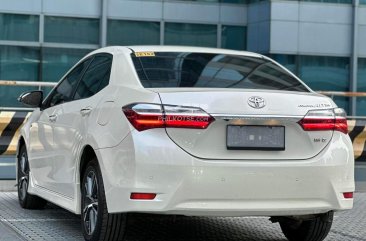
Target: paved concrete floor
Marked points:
54	223
7	234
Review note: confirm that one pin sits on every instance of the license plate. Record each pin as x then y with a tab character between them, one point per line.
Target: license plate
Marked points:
255	137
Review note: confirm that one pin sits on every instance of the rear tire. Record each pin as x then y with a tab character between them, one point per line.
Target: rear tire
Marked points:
308	230
26	200
97	224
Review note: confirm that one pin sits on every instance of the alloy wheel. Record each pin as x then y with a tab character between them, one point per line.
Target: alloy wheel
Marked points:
23	177
90	212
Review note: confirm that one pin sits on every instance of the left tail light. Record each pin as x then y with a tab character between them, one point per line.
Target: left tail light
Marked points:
144	116
324	120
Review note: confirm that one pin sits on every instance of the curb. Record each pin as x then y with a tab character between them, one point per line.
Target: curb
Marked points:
8	186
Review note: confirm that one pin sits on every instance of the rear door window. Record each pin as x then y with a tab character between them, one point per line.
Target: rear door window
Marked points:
95	78
207	70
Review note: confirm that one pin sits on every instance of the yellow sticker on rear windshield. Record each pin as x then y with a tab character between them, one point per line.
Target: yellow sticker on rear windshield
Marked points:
144	54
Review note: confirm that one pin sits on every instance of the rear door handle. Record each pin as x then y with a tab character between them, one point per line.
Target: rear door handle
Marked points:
52	118
85	111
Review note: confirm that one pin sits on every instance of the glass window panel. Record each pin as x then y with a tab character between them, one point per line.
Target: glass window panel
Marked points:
216	1
326	73
95	78
212	1
288	61
323	1
361	75
190	34
342	102
256	1
207	70
133	33
57	61
329	1
270	76
71	30
19	27
234	1
17	63
361	86
362	1
234	37
9	95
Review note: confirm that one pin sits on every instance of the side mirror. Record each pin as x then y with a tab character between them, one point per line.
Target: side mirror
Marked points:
32	98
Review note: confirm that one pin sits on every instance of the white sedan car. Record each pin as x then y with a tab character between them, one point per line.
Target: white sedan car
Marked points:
185	131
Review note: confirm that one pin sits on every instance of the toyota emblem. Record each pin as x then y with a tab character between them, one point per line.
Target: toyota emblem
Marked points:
256	102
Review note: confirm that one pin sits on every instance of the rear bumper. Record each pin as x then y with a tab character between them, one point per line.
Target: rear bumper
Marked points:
190	186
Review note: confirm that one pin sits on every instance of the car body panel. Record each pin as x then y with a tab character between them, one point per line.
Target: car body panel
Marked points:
40	148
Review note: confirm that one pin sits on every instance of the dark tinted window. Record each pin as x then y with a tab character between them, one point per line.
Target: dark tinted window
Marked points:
64	91
206	70
95	78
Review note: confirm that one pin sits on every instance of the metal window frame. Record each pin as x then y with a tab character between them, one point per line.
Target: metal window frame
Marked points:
354	57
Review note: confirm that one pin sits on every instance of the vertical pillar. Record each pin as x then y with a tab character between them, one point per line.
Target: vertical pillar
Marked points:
162	23
103	23
162	32
354	57
219	28
219	35
41	41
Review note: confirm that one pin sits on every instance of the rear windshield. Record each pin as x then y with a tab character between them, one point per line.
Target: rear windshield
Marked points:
208	70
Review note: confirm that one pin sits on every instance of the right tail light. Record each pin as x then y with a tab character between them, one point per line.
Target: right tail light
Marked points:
325	120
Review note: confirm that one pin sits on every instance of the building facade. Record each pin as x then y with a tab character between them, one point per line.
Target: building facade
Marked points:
321	41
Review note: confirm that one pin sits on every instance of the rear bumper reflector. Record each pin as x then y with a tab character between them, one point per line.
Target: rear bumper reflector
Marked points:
348	195
142	196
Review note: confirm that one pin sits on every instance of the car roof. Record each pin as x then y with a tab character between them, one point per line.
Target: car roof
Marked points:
165	48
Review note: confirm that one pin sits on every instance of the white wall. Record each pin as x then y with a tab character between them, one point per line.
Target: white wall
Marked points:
82	8
311	28
210	13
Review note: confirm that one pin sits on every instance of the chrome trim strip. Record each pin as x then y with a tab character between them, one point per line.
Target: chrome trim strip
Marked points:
255	117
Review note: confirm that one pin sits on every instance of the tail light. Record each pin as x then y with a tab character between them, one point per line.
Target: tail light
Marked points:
324	120
145	116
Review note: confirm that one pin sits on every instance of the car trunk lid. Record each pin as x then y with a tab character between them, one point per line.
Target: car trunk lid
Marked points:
233	107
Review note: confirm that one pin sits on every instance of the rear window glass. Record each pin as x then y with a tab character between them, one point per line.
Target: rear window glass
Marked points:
207	70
